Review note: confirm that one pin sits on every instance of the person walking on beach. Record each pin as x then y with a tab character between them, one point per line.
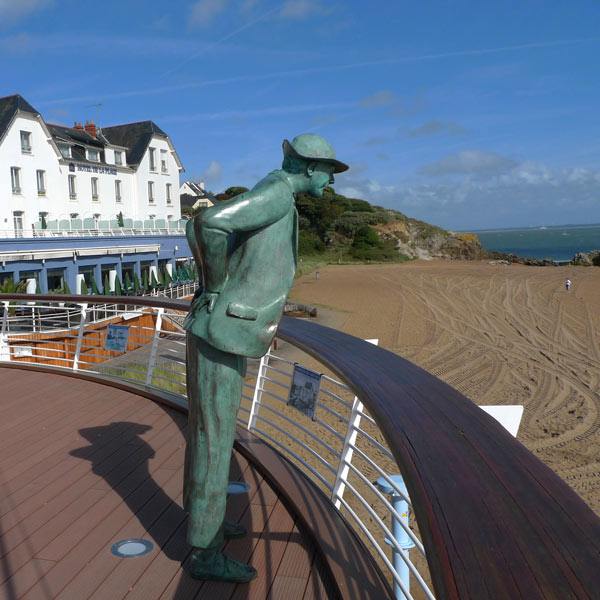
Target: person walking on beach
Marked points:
567	284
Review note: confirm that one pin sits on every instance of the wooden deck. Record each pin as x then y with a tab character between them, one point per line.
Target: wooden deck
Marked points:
83	465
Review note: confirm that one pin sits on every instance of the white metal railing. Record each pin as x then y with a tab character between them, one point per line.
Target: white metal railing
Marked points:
77	233
341	449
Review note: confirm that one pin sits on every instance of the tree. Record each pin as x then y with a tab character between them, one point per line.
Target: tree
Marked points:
84	288
153	281
145	284
120	219
106	285
94	286
118	287
43	223
136	283
127	282
231	192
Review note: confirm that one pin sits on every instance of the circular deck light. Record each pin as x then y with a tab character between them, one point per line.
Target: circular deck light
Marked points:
237	487
132	548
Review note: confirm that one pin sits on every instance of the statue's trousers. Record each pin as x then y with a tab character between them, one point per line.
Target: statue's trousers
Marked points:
214	387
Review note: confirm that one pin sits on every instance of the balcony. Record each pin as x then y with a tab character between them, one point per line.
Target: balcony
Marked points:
93	447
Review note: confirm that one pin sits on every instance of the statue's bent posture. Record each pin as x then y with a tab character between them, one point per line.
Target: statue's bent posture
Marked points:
246	251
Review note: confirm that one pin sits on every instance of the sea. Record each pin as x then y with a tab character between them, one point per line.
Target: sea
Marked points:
559	243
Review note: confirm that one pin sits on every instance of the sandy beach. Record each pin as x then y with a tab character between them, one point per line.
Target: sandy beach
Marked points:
500	334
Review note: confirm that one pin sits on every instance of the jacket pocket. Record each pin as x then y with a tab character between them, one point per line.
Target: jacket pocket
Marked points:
241	312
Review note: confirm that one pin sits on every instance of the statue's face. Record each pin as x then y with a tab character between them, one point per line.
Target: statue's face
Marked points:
320	176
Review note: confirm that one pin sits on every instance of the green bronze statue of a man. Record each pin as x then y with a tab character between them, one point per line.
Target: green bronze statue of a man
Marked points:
246	250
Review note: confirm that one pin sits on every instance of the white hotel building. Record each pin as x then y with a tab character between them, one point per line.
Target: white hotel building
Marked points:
84	177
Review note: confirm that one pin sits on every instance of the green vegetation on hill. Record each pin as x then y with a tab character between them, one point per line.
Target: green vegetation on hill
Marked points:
338	229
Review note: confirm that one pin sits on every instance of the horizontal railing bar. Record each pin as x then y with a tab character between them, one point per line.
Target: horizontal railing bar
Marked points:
373	441
378	549
317	439
293	454
388	505
313	452
391	539
365	456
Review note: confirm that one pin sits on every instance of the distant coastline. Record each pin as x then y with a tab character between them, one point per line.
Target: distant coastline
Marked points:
554	242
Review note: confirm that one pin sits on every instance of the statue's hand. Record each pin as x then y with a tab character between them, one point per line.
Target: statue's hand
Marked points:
208	299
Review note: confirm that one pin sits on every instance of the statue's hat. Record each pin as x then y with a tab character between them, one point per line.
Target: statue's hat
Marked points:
310	146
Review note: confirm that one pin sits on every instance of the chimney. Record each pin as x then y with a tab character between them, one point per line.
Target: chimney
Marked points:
90	127
78	126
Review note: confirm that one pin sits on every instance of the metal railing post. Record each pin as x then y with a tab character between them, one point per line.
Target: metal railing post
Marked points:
400	506
262	371
154	348
4	346
343	469
80	333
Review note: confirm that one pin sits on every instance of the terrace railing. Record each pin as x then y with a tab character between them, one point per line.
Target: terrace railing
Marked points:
78	233
489	520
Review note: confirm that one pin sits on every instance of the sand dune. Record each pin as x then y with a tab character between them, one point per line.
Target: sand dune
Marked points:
500	334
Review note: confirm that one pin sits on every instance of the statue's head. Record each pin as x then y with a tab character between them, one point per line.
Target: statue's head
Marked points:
313	157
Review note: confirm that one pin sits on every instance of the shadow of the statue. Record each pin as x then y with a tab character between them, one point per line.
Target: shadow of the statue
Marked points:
127	471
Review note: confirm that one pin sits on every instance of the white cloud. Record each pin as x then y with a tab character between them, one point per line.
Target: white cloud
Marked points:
435	127
301	9
382	98
13	10
213	172
469	162
203	12
530	194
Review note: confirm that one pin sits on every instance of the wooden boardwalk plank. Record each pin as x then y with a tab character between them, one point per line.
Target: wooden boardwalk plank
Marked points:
101	464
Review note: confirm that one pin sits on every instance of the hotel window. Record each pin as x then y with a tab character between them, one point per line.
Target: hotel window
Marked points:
168	193
118	157
93	155
56	280
72	188
65	150
25	142
118	190
94	188
15	178
41	182
18	223
152	157
163	161
151	192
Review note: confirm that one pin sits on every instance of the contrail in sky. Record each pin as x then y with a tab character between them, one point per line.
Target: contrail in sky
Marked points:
311	70
219	42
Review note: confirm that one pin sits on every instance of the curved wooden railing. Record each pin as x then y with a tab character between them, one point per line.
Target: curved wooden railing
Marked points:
495	521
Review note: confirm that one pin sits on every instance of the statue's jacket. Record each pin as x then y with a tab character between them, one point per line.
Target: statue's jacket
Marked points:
246	249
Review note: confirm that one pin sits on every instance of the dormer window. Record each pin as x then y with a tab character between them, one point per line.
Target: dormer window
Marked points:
25	142
65	150
118	157
93	155
152	158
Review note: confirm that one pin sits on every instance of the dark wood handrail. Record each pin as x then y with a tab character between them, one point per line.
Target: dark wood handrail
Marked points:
495	521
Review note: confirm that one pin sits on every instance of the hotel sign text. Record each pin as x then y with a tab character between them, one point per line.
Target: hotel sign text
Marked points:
92	169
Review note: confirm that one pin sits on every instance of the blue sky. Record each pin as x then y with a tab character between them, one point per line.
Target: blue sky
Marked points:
465	114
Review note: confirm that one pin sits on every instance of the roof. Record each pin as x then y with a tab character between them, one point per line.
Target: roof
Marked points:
70	134
196	188
135	136
9	105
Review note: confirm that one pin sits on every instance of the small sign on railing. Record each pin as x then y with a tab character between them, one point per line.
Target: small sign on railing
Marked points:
116	338
304	390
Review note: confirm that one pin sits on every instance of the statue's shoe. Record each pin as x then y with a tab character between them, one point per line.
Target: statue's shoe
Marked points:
219	567
232	530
